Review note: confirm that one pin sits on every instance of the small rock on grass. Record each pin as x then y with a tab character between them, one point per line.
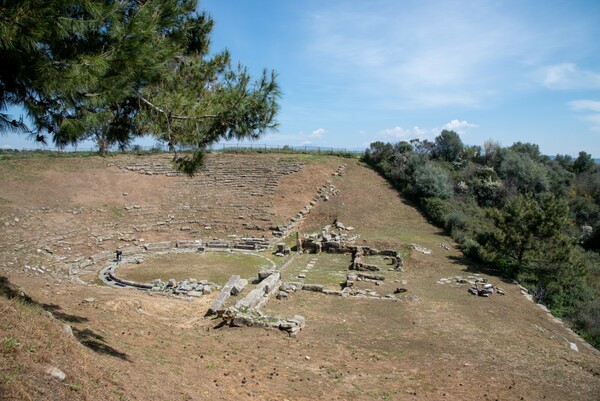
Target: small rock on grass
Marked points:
55	373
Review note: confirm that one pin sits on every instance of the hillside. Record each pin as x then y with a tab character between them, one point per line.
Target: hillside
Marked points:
62	220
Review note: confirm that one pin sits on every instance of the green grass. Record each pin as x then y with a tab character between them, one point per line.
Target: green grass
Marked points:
329	269
9	344
215	267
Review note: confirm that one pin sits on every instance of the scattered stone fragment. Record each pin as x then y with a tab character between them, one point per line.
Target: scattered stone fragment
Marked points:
67	329
55	373
421	249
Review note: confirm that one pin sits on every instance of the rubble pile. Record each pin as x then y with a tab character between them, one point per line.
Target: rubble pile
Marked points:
477	285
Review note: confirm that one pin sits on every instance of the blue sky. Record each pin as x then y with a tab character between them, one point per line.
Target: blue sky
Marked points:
353	72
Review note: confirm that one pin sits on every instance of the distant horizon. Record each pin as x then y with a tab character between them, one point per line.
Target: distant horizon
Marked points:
91	147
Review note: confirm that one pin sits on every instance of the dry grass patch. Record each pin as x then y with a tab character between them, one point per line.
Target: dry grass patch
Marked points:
32	340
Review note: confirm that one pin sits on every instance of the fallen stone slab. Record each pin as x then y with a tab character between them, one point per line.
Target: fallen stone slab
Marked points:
217	305
239	286
259	295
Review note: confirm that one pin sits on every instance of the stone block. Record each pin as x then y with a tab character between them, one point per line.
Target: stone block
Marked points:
263	274
239	286
159	246
217	305
313	287
189	244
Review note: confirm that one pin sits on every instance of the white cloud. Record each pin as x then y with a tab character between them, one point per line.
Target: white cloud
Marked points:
318	133
299	138
400	133
585	105
591	110
567	76
403	134
459	126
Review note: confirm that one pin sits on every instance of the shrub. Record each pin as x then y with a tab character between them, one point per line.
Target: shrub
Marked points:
432	181
435	209
455	221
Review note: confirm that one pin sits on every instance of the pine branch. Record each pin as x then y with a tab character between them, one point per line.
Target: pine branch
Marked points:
175	116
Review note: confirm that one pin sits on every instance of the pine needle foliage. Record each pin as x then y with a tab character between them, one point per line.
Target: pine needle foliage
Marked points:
116	69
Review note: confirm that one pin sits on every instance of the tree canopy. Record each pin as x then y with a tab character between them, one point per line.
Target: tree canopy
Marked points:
511	209
448	146
114	70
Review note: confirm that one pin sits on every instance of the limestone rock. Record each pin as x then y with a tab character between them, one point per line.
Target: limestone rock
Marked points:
239	286
313	287
67	329
263	274
55	373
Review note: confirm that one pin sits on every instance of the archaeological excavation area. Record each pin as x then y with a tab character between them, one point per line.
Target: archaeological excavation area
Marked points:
264	276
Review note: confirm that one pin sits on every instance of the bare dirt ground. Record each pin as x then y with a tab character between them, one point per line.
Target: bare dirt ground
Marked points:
435	343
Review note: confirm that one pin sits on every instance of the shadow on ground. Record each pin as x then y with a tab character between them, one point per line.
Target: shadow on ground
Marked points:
96	343
472	267
87	337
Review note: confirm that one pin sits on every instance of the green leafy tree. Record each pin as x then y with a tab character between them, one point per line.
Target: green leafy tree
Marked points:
529	234
403	147
448	146
526	148
493	153
486	187
113	70
583	163
424	147
521	172
379	152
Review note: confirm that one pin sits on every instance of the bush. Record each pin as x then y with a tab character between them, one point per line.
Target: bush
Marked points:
471	248
527	175
435	209
432	181
455	221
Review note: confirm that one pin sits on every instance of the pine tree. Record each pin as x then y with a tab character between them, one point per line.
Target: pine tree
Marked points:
114	70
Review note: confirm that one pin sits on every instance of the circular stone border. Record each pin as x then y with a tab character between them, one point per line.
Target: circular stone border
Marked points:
109	277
